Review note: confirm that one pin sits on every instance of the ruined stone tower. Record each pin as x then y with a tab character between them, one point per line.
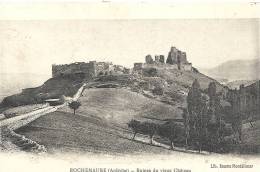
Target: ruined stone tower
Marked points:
176	56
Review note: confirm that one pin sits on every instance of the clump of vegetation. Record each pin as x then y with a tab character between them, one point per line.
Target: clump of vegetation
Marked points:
158	91
207	127
204	126
143	128
173	131
74	105
150	72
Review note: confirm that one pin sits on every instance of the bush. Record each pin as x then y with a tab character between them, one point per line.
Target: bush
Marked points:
143	128
150	72
176	96
173	131
158	91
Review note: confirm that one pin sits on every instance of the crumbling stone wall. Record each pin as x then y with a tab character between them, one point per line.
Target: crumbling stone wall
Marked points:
89	70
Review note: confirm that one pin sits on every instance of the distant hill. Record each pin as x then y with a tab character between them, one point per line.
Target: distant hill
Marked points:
235	70
236	84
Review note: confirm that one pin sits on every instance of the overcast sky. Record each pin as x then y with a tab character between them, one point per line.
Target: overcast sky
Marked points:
32	46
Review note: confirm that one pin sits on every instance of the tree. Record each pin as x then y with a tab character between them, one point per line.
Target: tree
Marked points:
185	117
215	125
168	131
212	90
146	128
134	125
198	115
74	105
194	100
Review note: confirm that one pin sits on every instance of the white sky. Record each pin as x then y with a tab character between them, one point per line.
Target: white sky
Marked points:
32	46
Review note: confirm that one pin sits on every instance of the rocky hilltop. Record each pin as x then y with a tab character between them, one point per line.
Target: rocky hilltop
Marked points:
166	81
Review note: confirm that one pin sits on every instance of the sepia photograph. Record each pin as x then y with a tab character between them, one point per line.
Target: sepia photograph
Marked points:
180	91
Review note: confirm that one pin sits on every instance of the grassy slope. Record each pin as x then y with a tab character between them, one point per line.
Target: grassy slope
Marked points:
121	105
100	123
62	131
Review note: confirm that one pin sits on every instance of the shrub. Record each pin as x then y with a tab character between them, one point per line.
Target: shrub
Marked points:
143	128
158	91
150	72
173	131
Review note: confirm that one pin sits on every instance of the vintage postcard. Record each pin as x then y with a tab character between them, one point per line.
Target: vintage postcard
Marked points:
129	87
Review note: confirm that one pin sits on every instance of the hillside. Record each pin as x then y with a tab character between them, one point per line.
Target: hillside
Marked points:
121	105
235	70
186	78
175	85
99	125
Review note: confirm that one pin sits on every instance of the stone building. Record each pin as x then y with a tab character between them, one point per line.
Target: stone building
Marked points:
88	70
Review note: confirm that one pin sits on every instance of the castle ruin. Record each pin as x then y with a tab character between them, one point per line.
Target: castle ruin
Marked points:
88	70
176	60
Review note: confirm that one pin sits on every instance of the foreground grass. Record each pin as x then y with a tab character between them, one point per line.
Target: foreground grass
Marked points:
64	132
